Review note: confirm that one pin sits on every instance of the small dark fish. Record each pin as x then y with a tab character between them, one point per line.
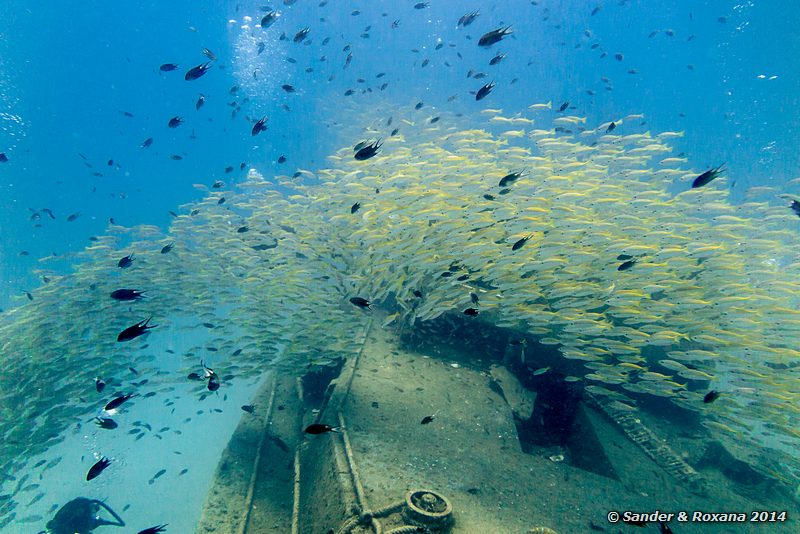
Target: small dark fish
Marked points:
394	132
200	101
368	151
623	257
494	36
317	428
259	126
159	474
360	302
213	383
146	143
167	248
427	419
711	396
417	293
209	54
261	47
174	122
707	177
611	127
288	88
73	216
472	312
497	59
627	265
434	120
484	91
207	371
126	294
106	423
468	18
155	529
510	178
98	468
795	206
269	19
521	243
125	262
48	212
421	5
3	157
473	298
354	208
99	384
196	72
135	331
564	106
301	35
167	67
117	401
242	229
249	408
282	159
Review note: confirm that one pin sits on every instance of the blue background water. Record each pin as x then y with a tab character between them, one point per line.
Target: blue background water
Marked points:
68	71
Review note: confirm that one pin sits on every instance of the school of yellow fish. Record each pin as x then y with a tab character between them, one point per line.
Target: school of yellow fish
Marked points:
711	301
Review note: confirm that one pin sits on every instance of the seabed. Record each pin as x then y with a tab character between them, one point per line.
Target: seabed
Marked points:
499	456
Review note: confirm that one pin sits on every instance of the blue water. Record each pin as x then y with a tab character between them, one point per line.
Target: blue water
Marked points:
69	71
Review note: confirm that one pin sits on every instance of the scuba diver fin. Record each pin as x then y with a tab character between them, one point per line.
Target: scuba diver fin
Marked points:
118	522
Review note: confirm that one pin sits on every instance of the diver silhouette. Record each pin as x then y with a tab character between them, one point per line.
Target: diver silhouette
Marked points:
79	516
